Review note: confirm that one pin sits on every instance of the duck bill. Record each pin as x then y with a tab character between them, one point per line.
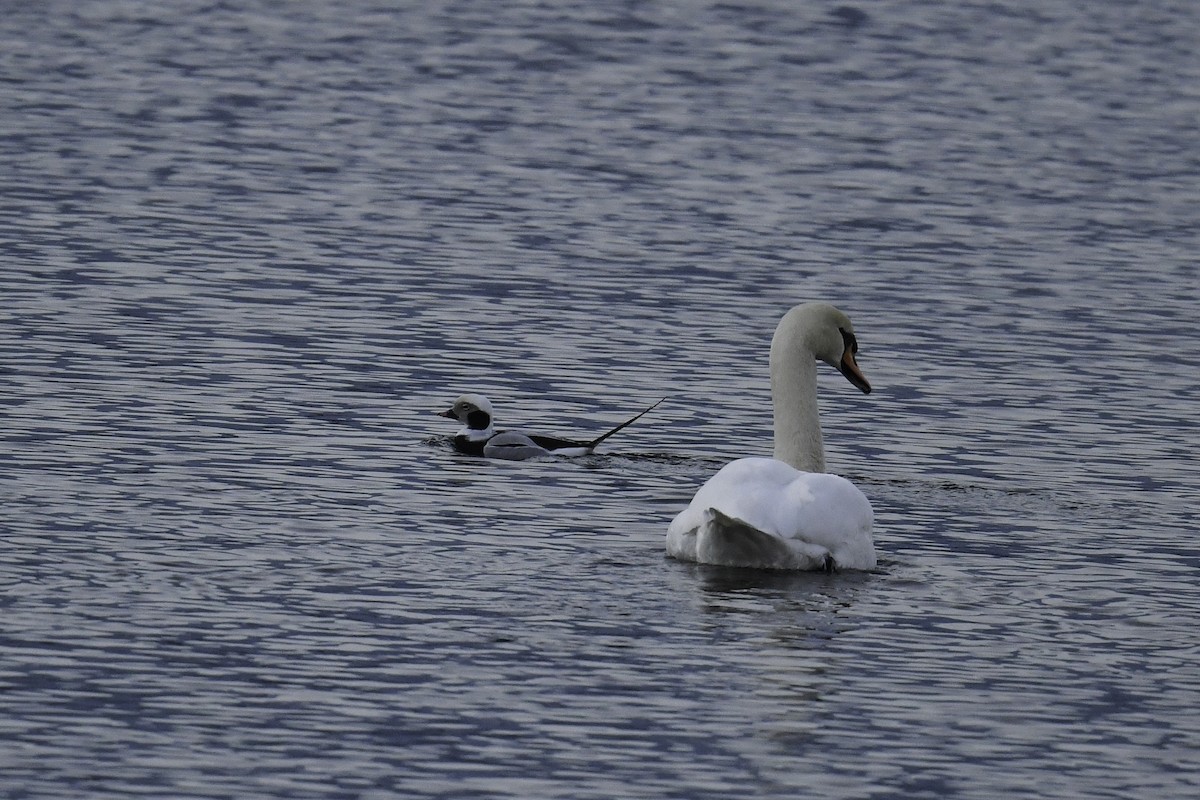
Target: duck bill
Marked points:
849	368
448	414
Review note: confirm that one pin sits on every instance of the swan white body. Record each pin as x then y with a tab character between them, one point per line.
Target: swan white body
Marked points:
760	512
786	512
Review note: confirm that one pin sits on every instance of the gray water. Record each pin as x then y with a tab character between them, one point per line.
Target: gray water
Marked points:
249	248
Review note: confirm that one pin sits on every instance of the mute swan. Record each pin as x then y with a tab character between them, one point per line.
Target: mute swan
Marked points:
479	438
786	512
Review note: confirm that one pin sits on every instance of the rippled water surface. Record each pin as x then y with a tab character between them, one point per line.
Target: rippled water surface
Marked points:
249	249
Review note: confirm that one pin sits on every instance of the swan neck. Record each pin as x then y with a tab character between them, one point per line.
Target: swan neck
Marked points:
797	416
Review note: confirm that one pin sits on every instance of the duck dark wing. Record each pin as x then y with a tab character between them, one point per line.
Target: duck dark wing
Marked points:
553	443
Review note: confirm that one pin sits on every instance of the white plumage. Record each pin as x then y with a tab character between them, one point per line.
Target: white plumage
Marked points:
479	437
786	512
759	512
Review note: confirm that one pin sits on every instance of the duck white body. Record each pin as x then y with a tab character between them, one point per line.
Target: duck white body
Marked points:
786	512
479	437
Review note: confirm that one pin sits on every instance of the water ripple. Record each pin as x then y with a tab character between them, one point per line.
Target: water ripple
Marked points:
249	252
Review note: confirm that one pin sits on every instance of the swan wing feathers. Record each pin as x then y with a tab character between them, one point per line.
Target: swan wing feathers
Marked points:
769	514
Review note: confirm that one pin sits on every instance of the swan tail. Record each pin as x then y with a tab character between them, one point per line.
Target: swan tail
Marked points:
594	442
729	541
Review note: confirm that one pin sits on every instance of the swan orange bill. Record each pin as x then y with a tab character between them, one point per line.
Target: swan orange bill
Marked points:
849	368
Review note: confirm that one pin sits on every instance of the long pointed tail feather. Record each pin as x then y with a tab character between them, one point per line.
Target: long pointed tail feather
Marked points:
594	442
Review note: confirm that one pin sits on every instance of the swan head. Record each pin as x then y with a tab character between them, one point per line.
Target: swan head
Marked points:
473	411
828	333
